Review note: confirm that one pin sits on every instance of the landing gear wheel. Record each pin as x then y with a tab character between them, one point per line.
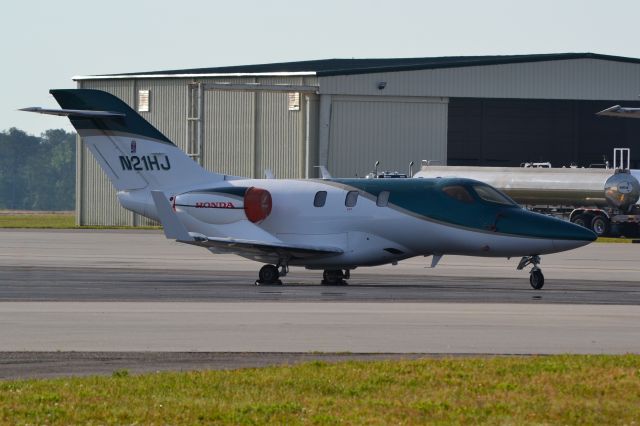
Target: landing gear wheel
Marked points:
268	275
536	279
333	277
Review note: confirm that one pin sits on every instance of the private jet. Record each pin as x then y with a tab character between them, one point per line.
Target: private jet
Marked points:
329	224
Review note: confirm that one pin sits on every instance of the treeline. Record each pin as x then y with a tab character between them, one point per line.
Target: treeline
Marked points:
37	172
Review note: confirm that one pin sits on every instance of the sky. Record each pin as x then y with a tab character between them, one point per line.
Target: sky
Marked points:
45	43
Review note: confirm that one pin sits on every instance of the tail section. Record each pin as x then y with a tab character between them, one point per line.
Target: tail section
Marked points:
133	153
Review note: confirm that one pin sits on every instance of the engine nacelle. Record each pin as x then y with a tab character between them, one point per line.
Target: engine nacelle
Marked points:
221	206
622	190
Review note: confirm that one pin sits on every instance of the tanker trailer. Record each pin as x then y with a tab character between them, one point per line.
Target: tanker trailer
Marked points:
603	200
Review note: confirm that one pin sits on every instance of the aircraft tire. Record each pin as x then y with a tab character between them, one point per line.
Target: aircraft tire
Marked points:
536	279
268	275
333	277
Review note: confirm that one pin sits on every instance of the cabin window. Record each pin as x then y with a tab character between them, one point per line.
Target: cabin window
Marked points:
458	192
492	195
383	199
352	199
320	198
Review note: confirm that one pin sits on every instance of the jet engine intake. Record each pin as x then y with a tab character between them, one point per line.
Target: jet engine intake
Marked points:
257	204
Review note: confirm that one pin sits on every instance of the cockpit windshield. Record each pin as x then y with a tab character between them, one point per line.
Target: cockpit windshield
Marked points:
492	195
458	192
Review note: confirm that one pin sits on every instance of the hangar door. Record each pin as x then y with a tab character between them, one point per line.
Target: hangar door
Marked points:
507	132
394	131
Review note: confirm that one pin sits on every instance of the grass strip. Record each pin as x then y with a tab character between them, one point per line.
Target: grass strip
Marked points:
498	390
43	221
616	240
53	221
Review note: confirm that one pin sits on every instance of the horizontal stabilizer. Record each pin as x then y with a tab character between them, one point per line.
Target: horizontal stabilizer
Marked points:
618	111
173	228
84	113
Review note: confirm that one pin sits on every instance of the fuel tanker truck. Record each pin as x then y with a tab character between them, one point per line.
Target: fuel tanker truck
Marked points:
604	200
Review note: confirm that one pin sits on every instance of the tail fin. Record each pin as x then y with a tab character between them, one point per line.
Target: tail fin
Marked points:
133	153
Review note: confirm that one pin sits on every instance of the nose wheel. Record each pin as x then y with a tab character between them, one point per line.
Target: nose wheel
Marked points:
536	278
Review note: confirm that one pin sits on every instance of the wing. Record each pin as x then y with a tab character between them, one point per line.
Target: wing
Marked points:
174	229
618	111
258	248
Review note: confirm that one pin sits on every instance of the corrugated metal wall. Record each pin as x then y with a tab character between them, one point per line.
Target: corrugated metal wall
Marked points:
229	131
279	134
244	133
591	79
393	131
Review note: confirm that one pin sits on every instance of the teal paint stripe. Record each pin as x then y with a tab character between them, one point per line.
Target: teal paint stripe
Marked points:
89	99
238	191
425	199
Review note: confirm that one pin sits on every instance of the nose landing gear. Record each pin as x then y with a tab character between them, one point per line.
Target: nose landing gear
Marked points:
536	278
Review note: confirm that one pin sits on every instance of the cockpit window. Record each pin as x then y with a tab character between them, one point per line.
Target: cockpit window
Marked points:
492	195
459	193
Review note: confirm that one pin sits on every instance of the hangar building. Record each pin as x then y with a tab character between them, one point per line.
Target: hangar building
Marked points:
347	113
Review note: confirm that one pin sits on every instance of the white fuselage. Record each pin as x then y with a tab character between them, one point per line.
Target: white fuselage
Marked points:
367	234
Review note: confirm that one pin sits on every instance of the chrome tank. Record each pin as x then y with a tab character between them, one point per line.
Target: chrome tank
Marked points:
622	190
543	186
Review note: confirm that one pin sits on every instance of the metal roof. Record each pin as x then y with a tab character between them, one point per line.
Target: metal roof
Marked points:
329	67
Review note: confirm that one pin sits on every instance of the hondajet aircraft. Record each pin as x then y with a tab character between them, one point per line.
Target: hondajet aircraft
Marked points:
335	225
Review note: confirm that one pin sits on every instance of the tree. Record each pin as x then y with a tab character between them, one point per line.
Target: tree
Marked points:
37	173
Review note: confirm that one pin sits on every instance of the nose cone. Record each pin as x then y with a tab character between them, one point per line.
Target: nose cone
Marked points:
574	236
562	234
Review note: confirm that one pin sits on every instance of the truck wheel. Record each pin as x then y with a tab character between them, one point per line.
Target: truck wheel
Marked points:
583	220
600	225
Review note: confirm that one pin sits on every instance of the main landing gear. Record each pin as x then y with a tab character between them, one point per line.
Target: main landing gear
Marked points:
269	275
335	277
536	279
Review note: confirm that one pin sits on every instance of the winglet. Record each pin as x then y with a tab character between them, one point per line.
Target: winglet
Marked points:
173	228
